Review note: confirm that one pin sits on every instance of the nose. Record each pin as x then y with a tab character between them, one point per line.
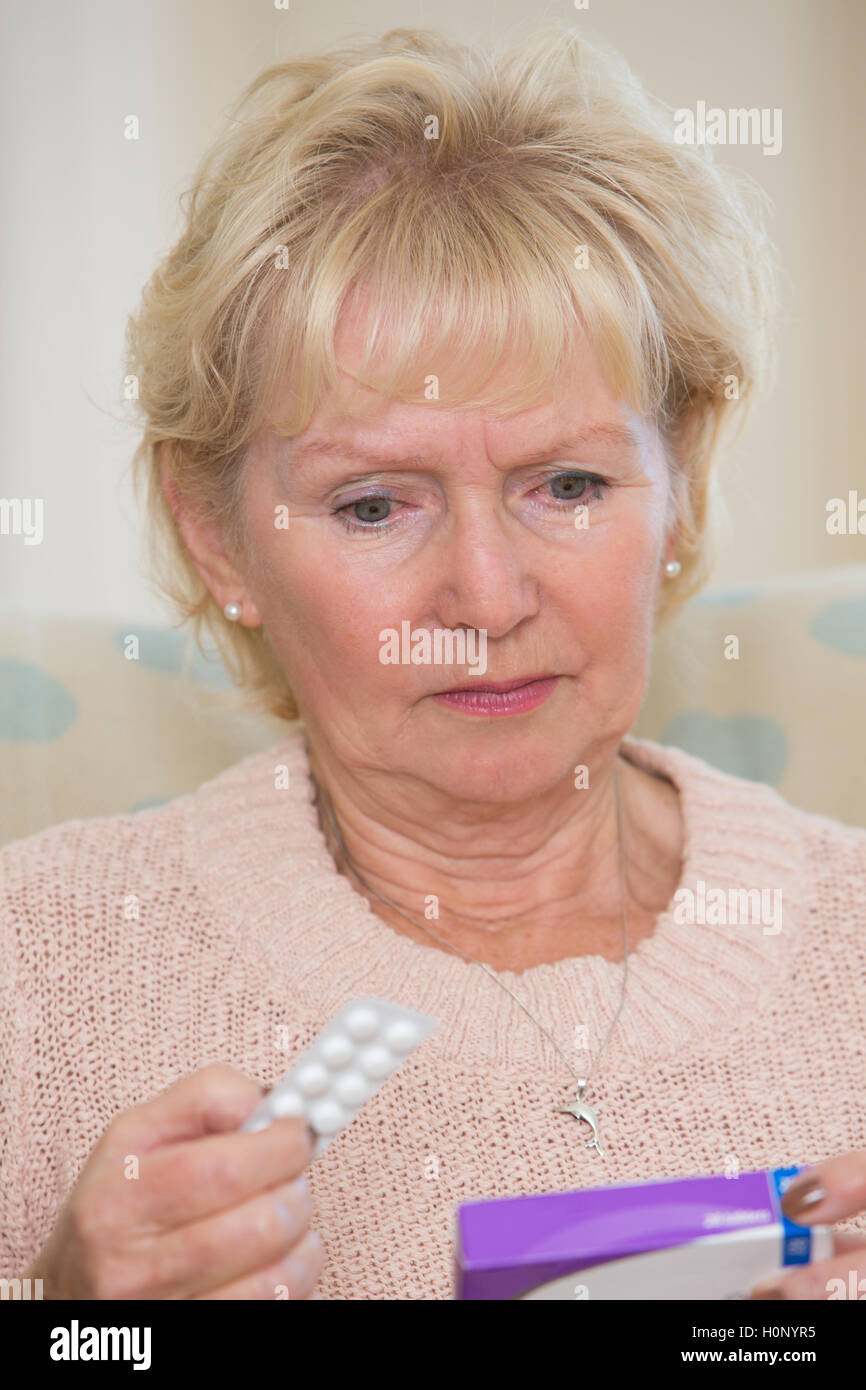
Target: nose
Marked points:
486	583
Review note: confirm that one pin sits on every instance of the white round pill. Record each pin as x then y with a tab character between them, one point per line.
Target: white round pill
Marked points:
362	1024
401	1035
376	1062
326	1116
337	1051
286	1102
351	1089
254	1125
312	1080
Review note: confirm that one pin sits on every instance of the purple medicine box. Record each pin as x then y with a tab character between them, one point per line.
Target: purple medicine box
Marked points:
700	1237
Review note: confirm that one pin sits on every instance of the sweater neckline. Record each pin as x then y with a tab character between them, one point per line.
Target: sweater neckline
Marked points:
270	881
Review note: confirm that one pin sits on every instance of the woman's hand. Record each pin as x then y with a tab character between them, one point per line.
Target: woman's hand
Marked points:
174	1203
843	1275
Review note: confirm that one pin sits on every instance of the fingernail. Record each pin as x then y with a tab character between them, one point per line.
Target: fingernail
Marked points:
802	1197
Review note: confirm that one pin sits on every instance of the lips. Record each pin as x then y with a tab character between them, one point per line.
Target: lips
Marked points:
497	687
518	696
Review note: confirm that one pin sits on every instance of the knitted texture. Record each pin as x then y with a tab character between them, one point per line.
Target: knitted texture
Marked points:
135	949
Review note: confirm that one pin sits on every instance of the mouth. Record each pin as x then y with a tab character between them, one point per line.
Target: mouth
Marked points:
499	687
499	697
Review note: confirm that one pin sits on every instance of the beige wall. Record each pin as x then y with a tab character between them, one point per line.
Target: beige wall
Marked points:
89	211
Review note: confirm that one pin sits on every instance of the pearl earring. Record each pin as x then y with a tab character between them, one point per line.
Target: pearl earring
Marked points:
233	611
672	568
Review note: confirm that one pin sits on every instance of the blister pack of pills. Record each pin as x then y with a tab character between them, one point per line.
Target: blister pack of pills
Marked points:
344	1067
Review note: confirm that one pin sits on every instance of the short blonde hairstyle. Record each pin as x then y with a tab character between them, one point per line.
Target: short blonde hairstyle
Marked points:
495	204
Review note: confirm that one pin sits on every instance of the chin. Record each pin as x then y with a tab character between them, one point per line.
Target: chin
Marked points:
486	766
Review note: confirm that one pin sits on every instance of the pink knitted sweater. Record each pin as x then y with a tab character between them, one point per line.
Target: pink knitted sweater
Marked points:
135	949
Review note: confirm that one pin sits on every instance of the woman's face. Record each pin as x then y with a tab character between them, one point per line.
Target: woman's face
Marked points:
462	523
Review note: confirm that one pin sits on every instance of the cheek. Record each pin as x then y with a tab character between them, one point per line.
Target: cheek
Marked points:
609	597
322	616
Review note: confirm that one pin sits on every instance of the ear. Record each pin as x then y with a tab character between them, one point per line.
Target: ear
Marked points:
205	545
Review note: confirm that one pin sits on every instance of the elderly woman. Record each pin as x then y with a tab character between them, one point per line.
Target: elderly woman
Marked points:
444	350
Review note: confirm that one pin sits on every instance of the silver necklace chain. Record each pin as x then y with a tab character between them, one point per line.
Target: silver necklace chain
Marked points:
576	1107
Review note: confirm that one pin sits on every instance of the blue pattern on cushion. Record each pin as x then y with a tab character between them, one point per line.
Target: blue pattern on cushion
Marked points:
721	598
747	745
149	803
34	707
164	650
842	625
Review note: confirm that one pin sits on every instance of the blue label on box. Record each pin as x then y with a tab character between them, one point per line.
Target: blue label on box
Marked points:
796	1240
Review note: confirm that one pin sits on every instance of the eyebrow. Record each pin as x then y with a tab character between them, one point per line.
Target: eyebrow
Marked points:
619	435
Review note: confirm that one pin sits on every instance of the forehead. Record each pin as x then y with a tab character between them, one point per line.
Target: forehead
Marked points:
577	405
621	439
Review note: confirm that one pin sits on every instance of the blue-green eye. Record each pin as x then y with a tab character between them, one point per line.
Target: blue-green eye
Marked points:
574	485
577	487
374	512
375	508
369	514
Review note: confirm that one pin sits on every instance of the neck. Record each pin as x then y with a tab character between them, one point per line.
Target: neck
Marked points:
510	885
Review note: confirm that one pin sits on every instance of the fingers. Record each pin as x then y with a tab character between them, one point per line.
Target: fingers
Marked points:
293	1277
845	1241
210	1101
203	1255
828	1192
190	1180
843	1276
229	1246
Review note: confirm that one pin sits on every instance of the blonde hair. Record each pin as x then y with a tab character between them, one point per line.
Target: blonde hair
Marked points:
458	186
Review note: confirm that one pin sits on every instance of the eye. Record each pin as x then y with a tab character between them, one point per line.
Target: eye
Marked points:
573	485
577	487
366	513
375	512
375	508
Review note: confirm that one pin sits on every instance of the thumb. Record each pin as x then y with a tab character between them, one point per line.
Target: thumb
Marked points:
213	1100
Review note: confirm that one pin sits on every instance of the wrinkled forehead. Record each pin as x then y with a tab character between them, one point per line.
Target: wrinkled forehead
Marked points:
576	402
